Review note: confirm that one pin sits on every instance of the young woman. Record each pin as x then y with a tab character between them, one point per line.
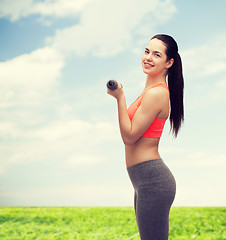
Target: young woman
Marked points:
141	127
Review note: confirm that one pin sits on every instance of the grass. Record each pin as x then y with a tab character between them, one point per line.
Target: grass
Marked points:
105	223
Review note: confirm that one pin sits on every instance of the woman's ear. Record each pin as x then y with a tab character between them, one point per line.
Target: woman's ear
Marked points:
169	64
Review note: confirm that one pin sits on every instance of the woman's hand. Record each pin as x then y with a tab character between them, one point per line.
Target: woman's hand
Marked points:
117	93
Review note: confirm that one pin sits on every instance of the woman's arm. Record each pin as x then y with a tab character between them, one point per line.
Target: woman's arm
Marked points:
125	124
151	105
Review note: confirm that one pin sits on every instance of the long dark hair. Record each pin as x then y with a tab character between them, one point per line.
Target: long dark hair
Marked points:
175	83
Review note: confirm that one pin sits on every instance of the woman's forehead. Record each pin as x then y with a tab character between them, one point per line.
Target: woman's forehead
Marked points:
156	45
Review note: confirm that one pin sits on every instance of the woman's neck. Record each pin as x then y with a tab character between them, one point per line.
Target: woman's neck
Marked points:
150	81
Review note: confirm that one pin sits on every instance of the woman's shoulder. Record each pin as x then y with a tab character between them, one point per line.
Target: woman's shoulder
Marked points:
156	93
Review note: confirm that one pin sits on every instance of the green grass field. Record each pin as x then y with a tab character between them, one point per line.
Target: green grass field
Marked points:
105	223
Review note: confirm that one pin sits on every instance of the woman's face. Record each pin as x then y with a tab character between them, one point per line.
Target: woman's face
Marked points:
154	60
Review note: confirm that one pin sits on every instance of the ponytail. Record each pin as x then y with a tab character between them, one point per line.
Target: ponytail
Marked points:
175	83
176	88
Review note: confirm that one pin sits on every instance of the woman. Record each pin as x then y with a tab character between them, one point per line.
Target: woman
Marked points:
141	128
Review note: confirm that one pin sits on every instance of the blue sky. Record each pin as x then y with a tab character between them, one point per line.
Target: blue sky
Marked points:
60	141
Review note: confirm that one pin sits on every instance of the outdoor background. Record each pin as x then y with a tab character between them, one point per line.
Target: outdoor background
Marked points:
59	136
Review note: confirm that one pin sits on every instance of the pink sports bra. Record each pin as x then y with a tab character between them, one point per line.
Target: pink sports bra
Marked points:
156	128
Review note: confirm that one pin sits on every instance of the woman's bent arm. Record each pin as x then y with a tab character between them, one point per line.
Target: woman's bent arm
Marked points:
125	124
152	103
124	121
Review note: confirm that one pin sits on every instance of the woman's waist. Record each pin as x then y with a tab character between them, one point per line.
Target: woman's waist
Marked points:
132	160
141	152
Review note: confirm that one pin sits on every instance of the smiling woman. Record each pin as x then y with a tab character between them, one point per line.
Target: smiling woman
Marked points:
141	127
154	59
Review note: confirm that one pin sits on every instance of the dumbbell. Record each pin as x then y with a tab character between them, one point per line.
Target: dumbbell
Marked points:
112	84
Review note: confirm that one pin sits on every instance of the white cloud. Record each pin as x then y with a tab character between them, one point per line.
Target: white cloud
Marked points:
77	129
214	68
8	129
68	143
107	27
79	160
204	71
56	8
207	59
29	77
15	9
27	83
218	92
181	156
59	8
203	160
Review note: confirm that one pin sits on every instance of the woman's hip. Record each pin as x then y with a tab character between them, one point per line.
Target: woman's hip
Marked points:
152	175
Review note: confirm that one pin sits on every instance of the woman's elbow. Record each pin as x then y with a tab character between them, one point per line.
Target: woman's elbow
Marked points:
129	140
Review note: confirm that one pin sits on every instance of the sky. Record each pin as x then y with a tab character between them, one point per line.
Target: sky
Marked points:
59	137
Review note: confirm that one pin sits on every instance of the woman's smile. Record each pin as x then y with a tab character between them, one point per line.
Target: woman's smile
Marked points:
148	65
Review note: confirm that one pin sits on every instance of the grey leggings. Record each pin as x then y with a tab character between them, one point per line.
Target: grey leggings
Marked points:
155	189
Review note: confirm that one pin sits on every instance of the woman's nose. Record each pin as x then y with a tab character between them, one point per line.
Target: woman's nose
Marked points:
148	57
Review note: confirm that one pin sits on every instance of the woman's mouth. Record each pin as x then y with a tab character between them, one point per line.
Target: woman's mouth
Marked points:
148	65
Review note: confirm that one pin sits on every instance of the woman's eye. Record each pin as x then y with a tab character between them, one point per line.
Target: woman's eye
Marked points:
146	51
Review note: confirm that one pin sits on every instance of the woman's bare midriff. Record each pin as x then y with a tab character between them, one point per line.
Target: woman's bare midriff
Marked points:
142	150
